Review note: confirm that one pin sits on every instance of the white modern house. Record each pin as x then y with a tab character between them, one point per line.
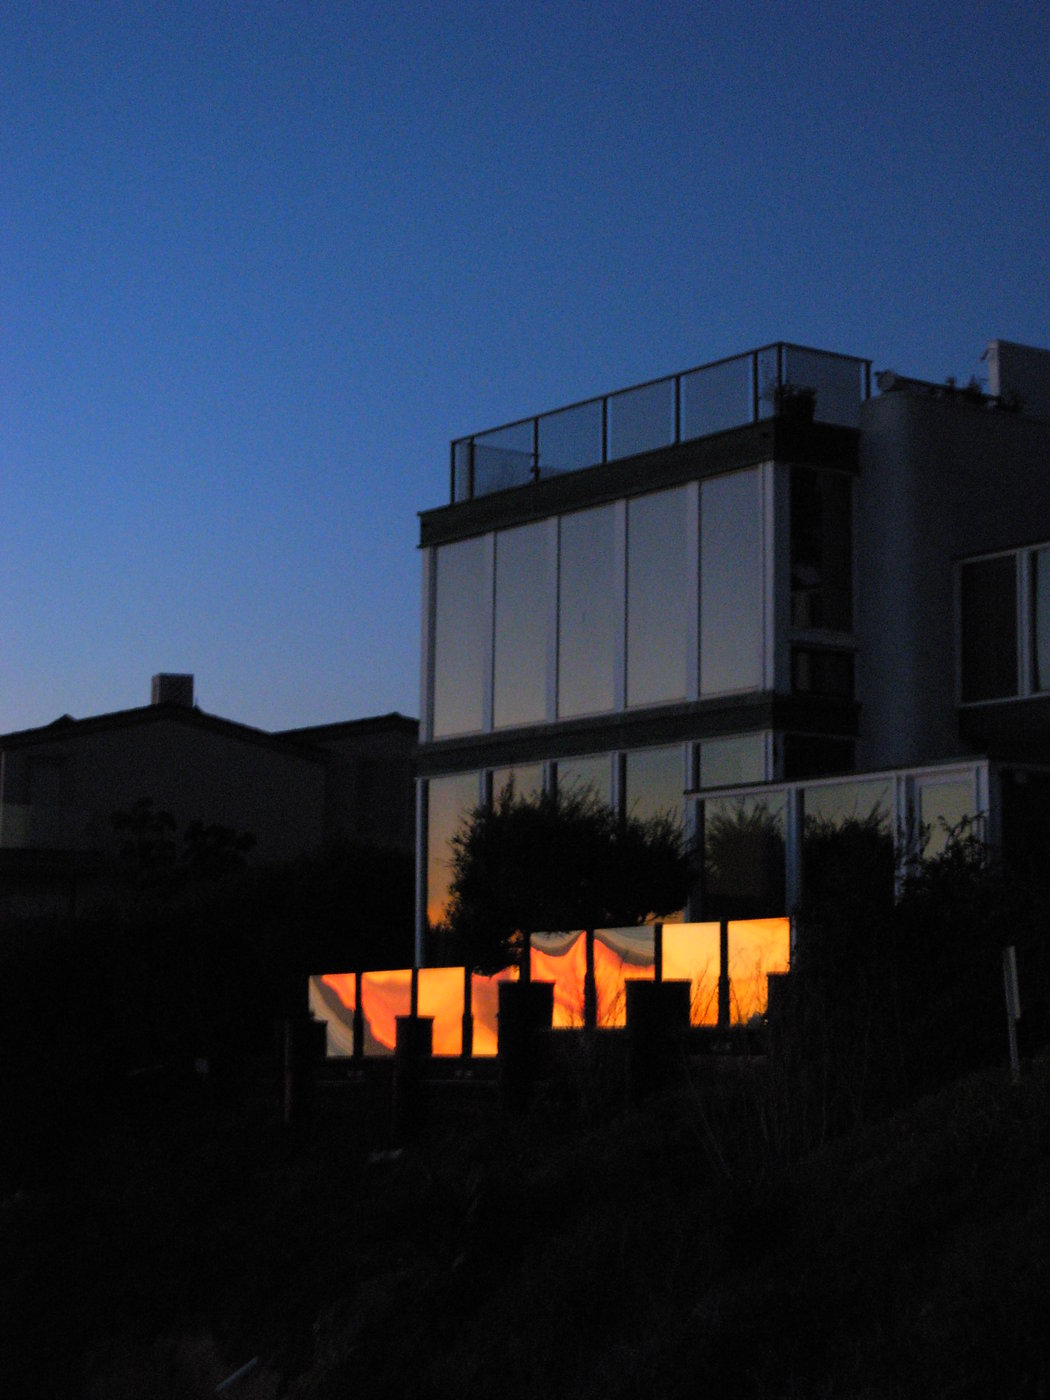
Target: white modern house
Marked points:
763	592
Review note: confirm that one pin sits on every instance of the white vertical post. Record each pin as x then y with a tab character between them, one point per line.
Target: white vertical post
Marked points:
1013	1008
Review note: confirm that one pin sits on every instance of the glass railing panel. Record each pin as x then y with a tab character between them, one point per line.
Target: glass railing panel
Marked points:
384	997
847	841
745	856
561	958
837	380
755	947
441	996
571	438
503	458
484	1007
461	458
641	420
716	398
331	999
692	953
621	955
767	376
946	805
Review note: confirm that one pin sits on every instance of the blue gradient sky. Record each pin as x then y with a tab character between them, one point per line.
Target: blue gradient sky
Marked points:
260	262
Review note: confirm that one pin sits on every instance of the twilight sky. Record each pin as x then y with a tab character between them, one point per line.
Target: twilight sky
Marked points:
260	261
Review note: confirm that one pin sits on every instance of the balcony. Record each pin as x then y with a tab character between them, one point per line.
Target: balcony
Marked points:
712	398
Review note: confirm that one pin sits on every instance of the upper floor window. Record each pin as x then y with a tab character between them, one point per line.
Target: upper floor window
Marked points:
988	604
462	618
1004	625
1041	619
821	549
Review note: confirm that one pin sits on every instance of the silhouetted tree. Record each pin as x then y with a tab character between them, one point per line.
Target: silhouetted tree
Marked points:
558	861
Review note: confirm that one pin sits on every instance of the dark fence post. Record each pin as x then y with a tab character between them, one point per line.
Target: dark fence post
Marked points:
526	1011
413	1045
657	1023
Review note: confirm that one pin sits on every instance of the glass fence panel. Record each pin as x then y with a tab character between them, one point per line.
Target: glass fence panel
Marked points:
503	458
484	1006
571	438
621	955
838	383
691	953
641	419
384	997
561	958
332	999
441	996
716	398
756	947
744	864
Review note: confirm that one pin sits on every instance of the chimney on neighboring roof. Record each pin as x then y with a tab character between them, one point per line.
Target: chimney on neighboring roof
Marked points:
169	689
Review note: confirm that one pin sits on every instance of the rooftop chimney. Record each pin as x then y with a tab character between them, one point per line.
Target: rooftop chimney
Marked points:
170	689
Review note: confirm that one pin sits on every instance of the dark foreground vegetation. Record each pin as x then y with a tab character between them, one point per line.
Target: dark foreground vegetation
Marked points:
574	1253
863	1212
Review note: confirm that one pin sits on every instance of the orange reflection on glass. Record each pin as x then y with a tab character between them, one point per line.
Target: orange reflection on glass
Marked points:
692	953
384	997
484	1005
561	958
756	947
621	955
441	996
332	999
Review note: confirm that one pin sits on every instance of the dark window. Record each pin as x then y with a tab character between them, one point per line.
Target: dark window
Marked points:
820	671
1041	620
816	756
821	549
989	628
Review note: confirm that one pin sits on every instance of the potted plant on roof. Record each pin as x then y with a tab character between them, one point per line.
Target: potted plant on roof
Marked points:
795	401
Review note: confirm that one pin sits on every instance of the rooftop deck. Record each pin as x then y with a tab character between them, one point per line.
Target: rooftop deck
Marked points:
777	378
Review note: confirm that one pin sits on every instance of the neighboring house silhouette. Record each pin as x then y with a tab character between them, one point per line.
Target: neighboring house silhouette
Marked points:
61	784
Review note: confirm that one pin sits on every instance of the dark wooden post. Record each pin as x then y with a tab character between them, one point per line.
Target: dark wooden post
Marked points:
590	986
723	975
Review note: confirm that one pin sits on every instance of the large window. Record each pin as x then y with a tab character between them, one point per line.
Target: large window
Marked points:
738	758
462	619
988	600
654	783
730	583
587	613
657	598
1041	620
449	801
520	645
593	771
821	549
744	856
